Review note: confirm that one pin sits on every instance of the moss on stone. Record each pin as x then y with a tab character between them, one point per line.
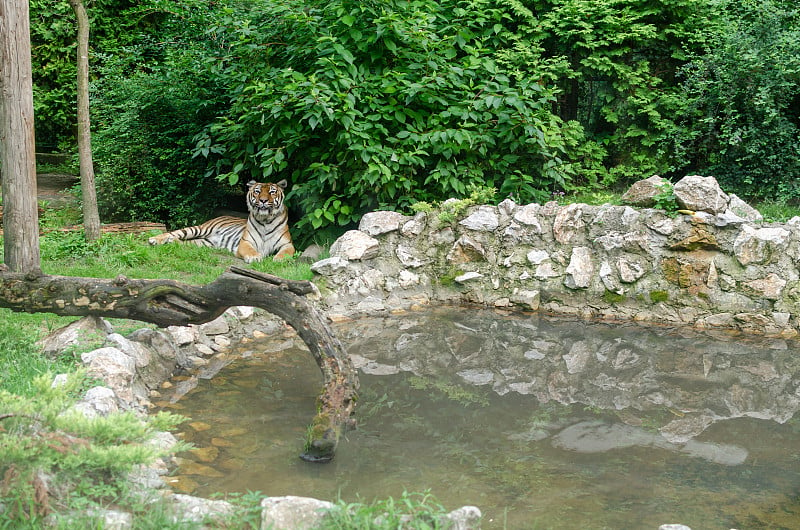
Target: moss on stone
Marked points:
612	297
659	296
449	278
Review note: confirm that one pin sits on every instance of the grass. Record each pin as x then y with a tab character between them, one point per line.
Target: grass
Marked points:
412	511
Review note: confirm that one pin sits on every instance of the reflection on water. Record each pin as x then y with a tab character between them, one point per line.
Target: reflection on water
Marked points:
540	423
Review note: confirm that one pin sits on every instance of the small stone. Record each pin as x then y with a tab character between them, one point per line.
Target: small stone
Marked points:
205	454
502	302
643	192
293	513
467	277
580	269
218	326
188	467
182	335
182	484
203	349
700	194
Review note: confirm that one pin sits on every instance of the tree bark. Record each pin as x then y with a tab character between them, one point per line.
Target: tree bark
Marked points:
91	216
17	146
167	302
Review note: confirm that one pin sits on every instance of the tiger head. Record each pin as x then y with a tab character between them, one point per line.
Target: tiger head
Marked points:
265	200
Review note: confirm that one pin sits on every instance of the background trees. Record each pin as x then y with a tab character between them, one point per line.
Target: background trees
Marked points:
380	104
738	116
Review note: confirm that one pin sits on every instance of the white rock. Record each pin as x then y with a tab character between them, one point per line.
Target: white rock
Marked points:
355	245
580	269
381	222
293	513
483	219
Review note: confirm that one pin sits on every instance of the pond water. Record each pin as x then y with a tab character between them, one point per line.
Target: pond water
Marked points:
540	422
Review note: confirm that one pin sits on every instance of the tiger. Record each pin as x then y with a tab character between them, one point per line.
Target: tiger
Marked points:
263	233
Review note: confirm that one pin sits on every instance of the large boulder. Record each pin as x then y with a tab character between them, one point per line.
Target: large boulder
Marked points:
355	245
701	194
643	192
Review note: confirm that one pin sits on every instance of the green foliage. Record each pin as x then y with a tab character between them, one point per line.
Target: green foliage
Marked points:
46	446
365	105
376	105
413	511
665	199
142	149
659	296
777	211
612	297
54	54
450	210
20	358
740	105
611	63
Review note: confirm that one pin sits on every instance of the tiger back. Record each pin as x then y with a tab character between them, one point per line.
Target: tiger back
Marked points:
263	233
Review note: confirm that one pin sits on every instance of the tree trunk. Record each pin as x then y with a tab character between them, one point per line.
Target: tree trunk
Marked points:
91	217
17	147
167	302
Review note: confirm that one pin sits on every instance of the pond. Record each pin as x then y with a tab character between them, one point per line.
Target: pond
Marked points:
540	422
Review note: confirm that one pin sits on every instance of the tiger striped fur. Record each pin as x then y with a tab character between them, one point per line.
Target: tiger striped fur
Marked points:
263	233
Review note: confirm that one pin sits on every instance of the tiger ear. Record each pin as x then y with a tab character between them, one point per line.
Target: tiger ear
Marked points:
283	184
251	183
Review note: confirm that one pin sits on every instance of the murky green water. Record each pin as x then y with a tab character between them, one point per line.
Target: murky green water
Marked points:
539	423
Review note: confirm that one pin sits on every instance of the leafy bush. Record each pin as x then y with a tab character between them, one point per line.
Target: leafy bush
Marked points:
379	104
741	106
142	149
611	64
148	104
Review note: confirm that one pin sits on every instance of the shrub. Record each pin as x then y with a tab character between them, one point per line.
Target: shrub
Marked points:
380	104
740	111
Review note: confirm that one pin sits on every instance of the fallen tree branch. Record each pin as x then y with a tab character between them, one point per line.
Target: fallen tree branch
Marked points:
167	303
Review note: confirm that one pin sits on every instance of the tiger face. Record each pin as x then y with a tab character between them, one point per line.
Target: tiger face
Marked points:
265	200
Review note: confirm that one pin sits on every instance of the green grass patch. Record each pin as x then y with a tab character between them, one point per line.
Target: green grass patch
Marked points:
777	211
412	511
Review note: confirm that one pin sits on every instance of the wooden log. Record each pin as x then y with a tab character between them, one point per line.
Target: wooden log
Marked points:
168	303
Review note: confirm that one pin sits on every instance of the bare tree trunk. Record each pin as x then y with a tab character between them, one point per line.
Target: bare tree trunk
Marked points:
167	302
17	147
91	217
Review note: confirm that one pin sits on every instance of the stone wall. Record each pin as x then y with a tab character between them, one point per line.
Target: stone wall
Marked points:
716	265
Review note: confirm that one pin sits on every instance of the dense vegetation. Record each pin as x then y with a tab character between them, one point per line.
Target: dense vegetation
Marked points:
367	104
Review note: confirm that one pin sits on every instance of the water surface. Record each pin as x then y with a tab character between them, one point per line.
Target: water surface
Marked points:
541	423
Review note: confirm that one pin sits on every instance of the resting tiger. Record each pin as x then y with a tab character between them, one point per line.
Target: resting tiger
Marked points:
264	232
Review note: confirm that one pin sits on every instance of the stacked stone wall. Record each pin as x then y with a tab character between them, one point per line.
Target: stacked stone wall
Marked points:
718	268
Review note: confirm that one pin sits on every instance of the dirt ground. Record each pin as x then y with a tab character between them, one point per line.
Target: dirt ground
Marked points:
55	187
